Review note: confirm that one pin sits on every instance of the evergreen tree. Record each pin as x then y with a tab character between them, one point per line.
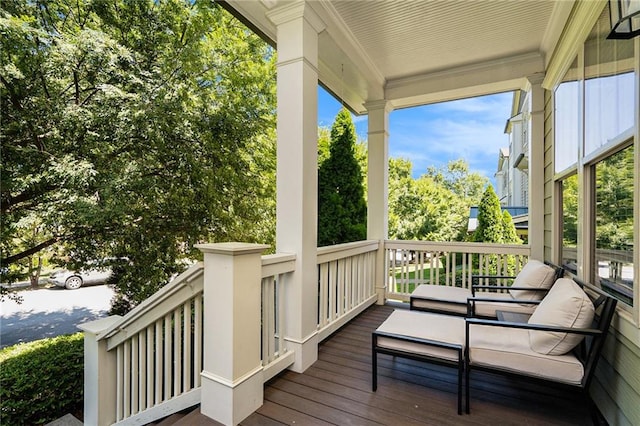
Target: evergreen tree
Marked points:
342	210
490	222
509	233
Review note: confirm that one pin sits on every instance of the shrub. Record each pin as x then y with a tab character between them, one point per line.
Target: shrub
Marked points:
41	381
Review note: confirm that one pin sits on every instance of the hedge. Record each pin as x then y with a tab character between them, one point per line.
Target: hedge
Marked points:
41	381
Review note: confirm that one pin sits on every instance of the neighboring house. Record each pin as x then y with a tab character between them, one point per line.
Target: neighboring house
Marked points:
503	176
512	175
582	122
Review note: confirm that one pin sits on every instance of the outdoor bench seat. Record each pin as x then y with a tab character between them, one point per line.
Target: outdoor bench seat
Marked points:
531	284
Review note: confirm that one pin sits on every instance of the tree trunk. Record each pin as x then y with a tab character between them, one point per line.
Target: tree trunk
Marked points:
34	271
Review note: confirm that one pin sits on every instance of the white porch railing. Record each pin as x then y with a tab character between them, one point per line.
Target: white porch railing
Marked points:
150	363
158	349
411	263
275	357
346	283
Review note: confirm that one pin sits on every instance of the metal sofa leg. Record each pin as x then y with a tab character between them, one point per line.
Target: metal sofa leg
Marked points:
374	365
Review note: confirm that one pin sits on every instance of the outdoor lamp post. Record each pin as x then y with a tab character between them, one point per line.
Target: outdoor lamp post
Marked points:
625	19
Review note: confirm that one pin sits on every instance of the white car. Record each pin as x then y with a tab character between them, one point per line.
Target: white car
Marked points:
73	280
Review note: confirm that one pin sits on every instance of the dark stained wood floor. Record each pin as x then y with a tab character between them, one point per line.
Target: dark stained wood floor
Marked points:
337	390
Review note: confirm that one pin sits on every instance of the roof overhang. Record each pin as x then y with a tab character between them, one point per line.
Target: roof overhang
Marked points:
415	53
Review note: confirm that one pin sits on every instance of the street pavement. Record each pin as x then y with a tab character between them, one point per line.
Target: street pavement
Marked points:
50	312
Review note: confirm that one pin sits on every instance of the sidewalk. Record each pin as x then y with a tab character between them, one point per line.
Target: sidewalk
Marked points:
22	284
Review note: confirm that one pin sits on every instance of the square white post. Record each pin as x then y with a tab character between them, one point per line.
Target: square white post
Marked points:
536	168
378	186
99	374
232	381
297	172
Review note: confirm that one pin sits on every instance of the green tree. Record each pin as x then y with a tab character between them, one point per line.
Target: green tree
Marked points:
433	207
342	210
134	129
407	218
455	176
614	201
509	234
490	222
570	211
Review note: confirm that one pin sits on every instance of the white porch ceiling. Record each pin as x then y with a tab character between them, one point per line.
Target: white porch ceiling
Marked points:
413	52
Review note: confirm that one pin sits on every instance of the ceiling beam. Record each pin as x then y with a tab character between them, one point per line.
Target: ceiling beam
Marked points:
484	78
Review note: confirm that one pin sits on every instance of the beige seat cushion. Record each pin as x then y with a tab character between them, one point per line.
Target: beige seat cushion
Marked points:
508	349
441	298
423	325
454	300
566	305
534	274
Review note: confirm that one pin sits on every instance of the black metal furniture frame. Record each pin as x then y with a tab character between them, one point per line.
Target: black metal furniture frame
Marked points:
588	352
375	349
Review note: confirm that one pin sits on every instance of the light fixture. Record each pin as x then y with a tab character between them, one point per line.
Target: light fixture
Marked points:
625	19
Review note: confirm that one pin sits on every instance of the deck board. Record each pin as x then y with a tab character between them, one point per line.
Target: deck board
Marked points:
337	390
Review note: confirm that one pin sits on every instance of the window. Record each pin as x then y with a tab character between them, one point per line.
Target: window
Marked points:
566	112
595	119
614	219
609	88
609	124
570	223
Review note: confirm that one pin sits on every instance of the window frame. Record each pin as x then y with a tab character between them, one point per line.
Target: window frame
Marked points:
585	169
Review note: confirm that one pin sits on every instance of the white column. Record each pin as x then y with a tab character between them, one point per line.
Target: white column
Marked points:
297	172
378	185
536	168
232	381
99	374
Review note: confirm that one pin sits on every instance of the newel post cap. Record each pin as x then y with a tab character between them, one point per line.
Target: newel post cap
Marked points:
232	248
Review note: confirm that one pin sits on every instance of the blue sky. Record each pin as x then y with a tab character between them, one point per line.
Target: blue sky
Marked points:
433	135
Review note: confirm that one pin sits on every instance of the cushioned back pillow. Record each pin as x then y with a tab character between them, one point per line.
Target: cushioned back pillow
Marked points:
566	305
534	274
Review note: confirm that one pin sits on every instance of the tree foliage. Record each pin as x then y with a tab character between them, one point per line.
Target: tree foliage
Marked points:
570	211
614	201
509	234
134	129
490	221
435	206
342	210
456	178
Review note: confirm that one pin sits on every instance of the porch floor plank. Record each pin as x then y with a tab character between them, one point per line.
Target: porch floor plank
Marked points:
337	390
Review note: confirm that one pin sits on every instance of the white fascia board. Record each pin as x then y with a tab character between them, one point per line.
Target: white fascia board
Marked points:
361	80
337	47
484	78
342	36
254	12
559	17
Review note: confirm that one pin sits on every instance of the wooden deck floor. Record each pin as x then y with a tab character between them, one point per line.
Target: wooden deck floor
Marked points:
337	390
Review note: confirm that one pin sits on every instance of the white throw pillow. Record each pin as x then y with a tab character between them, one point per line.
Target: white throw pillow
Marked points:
566	305
534	274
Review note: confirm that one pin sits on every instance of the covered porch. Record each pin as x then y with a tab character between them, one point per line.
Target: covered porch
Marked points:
337	390
222	334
